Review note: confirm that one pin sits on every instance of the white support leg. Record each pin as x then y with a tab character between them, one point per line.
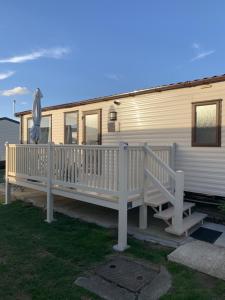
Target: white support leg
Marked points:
143	216
177	220
7	192
123	198
7	184
50	201
122	226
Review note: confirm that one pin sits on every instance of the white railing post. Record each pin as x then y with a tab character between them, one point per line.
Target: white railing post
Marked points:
49	218
177	220
172	165
7	184
143	209
123	197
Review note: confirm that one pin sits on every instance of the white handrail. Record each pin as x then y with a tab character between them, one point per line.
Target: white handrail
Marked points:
160	162
163	190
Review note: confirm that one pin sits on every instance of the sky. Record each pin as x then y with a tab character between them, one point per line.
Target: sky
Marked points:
79	49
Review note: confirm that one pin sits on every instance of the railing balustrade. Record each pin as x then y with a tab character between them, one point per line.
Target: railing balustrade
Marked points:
85	166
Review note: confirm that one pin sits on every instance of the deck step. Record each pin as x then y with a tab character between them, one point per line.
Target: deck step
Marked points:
156	200
154	191
188	223
168	213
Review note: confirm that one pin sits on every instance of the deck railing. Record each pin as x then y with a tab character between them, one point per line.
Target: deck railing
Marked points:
89	167
121	171
169	183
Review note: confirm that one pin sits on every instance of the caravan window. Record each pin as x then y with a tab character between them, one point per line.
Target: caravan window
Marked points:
46	130
206	127
71	128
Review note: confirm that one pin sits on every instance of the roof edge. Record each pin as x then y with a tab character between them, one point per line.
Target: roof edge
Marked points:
172	86
10	120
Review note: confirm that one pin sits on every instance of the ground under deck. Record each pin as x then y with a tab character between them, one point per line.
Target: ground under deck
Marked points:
103	216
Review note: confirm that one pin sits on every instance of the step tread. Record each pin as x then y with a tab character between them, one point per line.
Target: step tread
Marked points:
154	190
188	223
156	201
168	213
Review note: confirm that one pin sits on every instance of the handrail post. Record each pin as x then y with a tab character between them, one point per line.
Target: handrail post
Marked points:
177	220
7	184
123	197
172	165
143	209
49	218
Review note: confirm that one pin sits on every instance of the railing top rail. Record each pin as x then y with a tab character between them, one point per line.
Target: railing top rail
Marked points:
160	148
155	148
86	146
160	162
28	145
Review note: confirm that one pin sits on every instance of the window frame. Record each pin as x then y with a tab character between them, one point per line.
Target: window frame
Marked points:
69	112
30	118
218	103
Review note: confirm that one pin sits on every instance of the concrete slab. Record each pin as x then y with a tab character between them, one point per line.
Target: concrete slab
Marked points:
158	287
127	279
127	273
201	256
106	290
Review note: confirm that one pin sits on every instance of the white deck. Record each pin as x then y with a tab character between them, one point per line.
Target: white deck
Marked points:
117	177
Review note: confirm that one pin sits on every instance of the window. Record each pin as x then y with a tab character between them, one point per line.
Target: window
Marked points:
206	129
46	130
71	128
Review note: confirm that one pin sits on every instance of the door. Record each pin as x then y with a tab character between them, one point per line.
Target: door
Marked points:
92	127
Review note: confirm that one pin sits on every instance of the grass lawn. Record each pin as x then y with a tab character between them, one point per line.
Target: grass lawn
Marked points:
2	175
41	261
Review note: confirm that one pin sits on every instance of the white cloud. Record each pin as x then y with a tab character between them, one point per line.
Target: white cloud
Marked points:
195	46
200	52
15	91
57	53
202	55
112	76
5	75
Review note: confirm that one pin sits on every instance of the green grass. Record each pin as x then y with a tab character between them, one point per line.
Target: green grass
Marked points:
41	261
2	175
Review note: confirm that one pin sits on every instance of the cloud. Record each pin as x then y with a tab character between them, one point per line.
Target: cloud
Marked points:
5	75
56	53
15	91
200	52
195	46
202	55
112	76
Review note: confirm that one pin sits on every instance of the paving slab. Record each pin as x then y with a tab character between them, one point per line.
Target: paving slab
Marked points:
159	286
104	289
201	256
123	278
127	273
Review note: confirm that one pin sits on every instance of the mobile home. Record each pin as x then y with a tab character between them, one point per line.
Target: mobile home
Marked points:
190	114
9	132
138	149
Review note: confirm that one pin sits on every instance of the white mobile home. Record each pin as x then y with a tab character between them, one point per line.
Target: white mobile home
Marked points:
9	132
173	142
190	114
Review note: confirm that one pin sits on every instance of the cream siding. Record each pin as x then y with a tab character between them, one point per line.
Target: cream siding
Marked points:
9	132
162	118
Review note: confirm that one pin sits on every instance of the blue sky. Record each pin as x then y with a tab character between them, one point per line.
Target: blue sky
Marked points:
78	49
